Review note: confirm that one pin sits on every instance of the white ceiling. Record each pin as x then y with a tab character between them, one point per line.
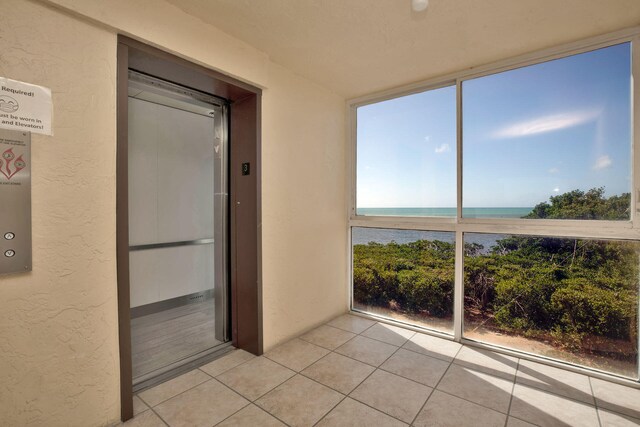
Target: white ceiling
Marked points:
355	47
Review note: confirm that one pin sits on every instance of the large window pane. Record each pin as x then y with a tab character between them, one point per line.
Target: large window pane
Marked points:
570	299
406	275
551	140
406	155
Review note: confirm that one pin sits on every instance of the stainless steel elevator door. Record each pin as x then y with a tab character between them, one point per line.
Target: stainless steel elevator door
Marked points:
177	225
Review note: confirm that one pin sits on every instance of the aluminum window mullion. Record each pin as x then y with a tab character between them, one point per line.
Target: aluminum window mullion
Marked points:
458	293
635	119
635	149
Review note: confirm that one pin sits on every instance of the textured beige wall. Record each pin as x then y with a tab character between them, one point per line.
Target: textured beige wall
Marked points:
58	324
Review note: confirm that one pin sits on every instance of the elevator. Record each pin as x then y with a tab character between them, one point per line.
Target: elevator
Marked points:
178	225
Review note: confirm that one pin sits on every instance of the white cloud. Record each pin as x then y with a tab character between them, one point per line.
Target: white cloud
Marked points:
554	170
546	124
602	162
556	190
443	148
427	138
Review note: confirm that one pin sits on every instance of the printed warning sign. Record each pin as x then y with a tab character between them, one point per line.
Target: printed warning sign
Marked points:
25	107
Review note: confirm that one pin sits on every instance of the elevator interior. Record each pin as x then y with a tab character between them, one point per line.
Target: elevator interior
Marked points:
178	225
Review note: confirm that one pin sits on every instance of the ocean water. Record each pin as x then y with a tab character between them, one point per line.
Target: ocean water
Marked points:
362	236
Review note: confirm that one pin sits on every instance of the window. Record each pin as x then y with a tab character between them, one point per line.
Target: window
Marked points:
517	230
407	275
570	299
407	155
559	129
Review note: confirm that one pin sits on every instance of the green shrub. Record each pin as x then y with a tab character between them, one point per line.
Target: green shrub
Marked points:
589	309
428	291
524	302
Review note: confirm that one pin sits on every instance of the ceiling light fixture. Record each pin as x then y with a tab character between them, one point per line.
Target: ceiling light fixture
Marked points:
419	5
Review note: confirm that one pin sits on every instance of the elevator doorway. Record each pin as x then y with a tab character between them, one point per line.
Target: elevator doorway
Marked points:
178	226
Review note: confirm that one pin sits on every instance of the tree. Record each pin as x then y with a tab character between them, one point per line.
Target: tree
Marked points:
578	204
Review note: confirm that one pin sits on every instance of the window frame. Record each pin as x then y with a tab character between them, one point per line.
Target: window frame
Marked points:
588	229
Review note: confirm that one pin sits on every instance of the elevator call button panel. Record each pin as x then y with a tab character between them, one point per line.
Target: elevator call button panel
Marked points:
15	201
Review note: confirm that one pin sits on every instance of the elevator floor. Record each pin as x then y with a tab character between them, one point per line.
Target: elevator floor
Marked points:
160	339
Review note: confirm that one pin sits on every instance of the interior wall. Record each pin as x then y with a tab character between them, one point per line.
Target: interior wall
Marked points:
58	324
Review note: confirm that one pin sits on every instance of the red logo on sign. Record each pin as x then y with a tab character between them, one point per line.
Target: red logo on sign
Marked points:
9	165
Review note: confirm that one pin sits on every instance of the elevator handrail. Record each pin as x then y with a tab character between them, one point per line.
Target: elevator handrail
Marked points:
171	244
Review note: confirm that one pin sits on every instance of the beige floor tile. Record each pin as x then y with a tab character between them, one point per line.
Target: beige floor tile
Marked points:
498	365
138	405
296	354
167	390
616	397
393	395
558	381
367	350
547	409
611	419
145	419
255	377
226	362
354	414
299	401
389	334
202	406
339	372
445	410
251	416
433	346
479	387
514	422
351	323
328	337
417	367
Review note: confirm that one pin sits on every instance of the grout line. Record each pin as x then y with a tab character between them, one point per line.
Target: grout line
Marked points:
375	409
176	395
513	387
328	348
435	387
295	373
225	419
158	415
366	363
233	367
367	377
386	342
330	410
274	387
359	384
441	357
252	402
561	396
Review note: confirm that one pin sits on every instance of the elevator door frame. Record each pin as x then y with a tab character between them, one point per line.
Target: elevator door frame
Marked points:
245	272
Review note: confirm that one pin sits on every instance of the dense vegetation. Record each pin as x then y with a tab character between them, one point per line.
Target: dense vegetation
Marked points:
569	291
578	204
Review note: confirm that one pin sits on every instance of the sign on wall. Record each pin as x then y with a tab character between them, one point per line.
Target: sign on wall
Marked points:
25	107
15	201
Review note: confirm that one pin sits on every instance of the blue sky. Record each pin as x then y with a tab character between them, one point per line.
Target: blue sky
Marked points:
528	134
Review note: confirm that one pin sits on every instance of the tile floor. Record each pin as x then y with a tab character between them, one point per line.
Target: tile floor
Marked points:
357	372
